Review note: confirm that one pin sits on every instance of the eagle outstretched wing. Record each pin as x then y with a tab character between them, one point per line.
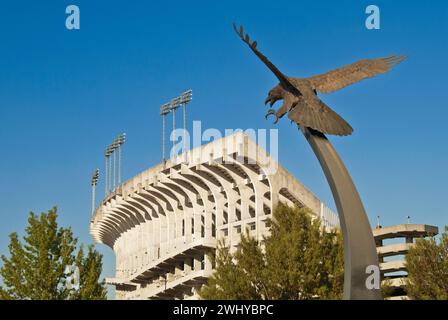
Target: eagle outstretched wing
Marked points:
284	81
347	75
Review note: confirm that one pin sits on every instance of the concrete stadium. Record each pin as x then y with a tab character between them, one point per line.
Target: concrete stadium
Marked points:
162	222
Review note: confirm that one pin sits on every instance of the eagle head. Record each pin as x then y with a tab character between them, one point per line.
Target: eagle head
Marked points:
274	95
279	93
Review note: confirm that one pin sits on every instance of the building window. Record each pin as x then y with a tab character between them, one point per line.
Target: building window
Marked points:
252	226
251	212
238	215
238	229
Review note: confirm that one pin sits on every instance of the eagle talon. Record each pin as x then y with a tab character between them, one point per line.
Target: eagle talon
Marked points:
272	112
271	100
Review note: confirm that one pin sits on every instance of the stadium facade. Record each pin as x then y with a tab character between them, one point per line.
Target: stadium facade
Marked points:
162	222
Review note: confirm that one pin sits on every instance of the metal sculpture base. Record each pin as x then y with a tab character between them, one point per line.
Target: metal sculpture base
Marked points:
359	245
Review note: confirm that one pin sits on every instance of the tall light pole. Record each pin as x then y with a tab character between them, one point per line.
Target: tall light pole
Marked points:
174	104
164	110
171	106
107	154
114	147
94	182
185	98
110	150
111	176
120	140
110	169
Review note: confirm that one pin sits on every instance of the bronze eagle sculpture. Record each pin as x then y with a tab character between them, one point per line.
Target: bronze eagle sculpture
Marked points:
299	95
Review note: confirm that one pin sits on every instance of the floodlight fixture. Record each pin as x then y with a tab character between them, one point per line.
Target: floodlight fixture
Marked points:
121	139
175	103
108	152
186	97
95	176
165	109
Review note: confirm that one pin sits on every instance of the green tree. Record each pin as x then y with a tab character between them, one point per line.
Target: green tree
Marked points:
296	261
427	265
90	268
36	268
229	281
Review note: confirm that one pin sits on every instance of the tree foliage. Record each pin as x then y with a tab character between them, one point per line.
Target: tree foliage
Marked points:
296	261
36	267
427	265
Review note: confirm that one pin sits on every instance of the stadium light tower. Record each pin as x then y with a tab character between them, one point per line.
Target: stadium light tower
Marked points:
185	98
111	172
120	140
107	155
94	182
111	150
164	110
114	147
171	106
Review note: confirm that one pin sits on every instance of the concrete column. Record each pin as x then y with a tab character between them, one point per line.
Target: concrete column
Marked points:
146	241
188	266
163	233
156	230
178	234
197	263
177	270
208	223
172	227
275	188
198	223
188	226
208	263
245	195
151	238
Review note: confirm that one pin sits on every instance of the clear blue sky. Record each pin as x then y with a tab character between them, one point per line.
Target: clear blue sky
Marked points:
64	95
